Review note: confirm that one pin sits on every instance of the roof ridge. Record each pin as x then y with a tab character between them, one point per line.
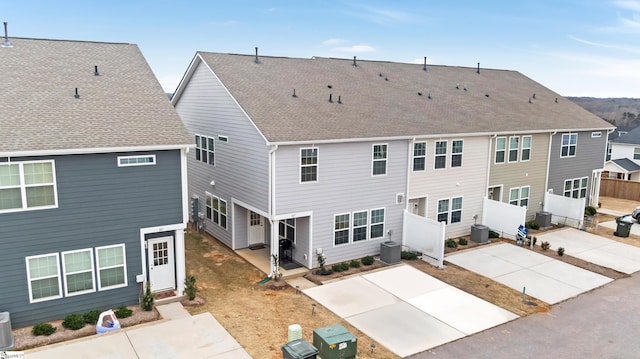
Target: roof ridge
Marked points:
65	40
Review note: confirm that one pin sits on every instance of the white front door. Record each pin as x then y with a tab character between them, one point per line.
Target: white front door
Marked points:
161	264
256	228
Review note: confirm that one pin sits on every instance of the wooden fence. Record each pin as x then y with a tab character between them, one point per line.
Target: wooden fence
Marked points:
620	189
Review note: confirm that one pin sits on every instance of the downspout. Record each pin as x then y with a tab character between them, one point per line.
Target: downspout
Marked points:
546	176
408	183
274	248
489	164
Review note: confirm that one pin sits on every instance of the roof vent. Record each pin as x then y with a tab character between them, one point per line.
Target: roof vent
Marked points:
487	95
424	67
465	87
354	62
478	71
329	86
534	95
429	96
330	98
556	100
386	78
339	100
257	61
457	86
6	42
294	93
530	100
419	93
95	71
76	95
380	74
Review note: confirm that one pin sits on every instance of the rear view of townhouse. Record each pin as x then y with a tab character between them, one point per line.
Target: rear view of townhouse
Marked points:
92	166
334	154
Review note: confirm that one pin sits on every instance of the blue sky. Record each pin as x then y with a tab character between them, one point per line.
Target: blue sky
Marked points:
574	47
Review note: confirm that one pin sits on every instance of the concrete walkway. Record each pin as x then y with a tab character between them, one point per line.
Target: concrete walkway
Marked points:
545	278
406	310
181	336
595	249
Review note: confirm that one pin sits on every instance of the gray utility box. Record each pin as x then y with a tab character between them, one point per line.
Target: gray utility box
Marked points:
480	233
543	219
390	252
6	336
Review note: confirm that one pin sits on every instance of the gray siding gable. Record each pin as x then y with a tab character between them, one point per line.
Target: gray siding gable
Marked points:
99	204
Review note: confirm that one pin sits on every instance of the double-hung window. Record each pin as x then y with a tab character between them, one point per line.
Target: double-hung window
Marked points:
519	196
513	148
205	149
456	209
501	147
419	156
216	210
27	185
77	270
636	153
576	187
341	228
360	223
112	267
379	159
43	275
309	164
569	144
440	154
377	223
525	155
456	153
450	210
443	210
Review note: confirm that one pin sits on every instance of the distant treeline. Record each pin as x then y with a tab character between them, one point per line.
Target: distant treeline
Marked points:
617	111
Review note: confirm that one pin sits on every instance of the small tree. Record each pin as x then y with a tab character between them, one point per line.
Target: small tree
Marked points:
147	299
190	288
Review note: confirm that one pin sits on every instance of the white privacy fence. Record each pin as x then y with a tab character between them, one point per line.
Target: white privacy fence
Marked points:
502	217
425	236
565	210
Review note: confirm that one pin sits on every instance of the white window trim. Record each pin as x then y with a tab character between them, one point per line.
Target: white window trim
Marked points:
222	138
597	134
29	279
413	168
503	150
438	213
123	265
579	189
352	238
451	210
23	187
636	153
209	151
121	158
316	165
287	225
371	223
509	149
64	273
569	145
218	211
374	160
348	229
520	198
522	148
436	155
457	153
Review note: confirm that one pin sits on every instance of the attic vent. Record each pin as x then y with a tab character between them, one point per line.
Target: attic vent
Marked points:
95	71
6	42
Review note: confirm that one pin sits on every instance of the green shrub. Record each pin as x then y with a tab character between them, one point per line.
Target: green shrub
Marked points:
336	267
534	239
147	299
73	321
45	329
532	225
545	245
91	317
354	264
408	255
123	312
462	241
494	234
344	266
368	260
560	251
451	243
590	210
190	288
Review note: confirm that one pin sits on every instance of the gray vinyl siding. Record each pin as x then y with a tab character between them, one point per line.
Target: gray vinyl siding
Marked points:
345	184
518	174
589	156
241	168
99	204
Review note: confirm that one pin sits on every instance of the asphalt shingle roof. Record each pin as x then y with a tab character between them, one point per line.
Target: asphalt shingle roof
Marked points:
123	107
627	164
632	137
385	99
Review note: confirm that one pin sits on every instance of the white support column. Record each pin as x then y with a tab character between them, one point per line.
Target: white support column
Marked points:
275	247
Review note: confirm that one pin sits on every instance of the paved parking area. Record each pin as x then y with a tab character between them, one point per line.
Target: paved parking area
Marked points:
407	310
595	249
545	278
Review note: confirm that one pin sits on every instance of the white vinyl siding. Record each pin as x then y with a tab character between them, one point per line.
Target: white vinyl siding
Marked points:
379	157
501	146
440	155
456	153
27	185
569	145
525	155
43	276
77	271
111	267
576	187
419	156
146	160
308	164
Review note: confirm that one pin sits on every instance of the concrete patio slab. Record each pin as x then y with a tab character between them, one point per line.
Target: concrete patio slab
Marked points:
572	239
486	264
540	286
404	329
113	345
572	275
405	282
351	296
519	258
460	310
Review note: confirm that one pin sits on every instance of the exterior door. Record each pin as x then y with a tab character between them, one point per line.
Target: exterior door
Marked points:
161	264
256	228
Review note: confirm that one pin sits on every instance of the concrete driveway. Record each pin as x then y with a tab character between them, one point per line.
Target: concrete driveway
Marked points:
595	249
545	278
407	310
